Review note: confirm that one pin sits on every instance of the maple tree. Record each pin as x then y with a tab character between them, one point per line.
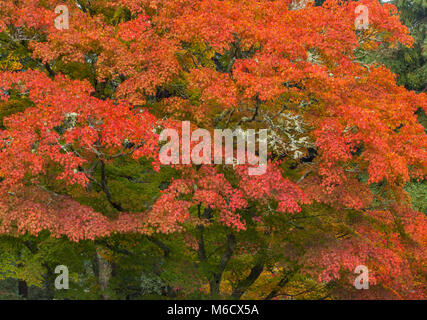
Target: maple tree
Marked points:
83	108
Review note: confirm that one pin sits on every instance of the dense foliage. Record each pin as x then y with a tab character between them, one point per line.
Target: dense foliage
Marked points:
81	184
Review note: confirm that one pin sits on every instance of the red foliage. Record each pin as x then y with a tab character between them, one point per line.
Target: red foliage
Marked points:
360	120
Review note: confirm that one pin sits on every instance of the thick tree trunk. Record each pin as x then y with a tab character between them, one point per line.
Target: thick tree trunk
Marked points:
23	289
214	287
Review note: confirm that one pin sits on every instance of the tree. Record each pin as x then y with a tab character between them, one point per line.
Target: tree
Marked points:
410	63
84	112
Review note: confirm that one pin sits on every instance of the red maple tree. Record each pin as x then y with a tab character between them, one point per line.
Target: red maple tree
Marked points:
289	66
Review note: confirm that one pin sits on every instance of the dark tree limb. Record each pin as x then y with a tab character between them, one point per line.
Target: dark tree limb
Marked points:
225	258
106	189
166	250
244	284
287	276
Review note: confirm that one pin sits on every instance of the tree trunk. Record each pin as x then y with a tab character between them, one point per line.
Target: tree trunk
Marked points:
244	284
23	289
104	272
214	283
